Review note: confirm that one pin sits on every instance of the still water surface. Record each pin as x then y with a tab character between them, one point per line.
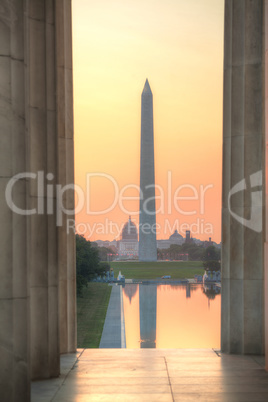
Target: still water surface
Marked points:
172	316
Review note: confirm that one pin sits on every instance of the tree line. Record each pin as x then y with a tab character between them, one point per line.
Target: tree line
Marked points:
88	263
189	251
91	259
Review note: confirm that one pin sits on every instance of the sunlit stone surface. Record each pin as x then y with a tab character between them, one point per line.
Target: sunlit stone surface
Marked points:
151	375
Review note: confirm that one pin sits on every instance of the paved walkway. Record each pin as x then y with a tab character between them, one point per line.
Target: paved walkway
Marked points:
113	334
155	375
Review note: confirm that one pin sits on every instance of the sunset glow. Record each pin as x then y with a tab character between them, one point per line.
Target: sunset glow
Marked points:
178	46
185	317
191	322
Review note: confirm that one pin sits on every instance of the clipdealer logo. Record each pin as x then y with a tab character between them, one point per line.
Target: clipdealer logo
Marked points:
183	200
255	221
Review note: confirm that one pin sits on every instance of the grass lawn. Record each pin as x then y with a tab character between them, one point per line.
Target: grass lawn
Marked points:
91	313
154	270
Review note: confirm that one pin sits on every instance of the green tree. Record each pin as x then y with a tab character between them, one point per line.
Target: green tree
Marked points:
185	247
174	251
160	254
195	253
211	253
212	265
105	266
87	262
106	253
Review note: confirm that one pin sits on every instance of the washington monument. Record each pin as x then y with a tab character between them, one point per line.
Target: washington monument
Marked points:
147	227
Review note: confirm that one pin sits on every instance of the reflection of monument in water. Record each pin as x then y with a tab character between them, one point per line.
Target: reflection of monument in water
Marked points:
188	290
148	300
130	291
147	230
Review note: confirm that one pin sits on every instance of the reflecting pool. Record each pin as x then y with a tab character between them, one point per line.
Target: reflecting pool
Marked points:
172	316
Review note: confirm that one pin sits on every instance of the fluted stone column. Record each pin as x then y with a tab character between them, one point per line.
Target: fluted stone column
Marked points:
50	131
42	160
14	294
242	329
36	136
65	151
266	192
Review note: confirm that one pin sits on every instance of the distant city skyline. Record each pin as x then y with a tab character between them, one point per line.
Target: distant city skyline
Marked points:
127	244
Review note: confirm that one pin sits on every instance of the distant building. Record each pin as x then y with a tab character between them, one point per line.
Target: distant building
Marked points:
114	244
197	242
163	244
102	243
176	238
208	243
129	245
188	238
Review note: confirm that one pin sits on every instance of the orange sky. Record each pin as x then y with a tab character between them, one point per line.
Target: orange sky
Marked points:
178	46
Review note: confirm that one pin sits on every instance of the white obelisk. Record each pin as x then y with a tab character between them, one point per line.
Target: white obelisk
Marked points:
147	227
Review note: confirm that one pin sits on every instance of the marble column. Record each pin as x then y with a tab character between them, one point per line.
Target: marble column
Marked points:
50	130
266	189
242	329
42	160
14	290
36	124
65	152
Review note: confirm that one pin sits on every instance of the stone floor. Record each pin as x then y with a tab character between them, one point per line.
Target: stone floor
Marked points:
155	375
